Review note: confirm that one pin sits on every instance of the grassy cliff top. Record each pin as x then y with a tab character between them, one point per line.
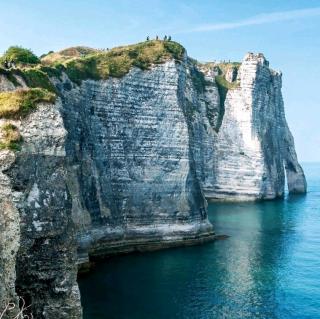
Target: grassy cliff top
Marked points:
18	103
10	137
67	54
153	51
79	63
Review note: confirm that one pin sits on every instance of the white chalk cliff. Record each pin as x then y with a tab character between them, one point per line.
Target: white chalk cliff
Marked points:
123	164
254	148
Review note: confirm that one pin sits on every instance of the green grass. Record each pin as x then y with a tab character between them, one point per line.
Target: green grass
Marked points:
224	66
81	63
19	103
19	55
51	71
11	138
116	62
35	78
222	84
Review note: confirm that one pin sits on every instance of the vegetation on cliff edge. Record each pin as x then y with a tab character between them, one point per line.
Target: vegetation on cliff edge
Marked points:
222	83
19	103
35	78
102	64
224	86
19	55
11	138
79	63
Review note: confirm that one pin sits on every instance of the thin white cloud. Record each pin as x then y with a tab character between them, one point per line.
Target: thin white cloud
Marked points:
258	19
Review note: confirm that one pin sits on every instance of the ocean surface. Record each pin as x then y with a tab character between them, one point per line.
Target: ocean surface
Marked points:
268	268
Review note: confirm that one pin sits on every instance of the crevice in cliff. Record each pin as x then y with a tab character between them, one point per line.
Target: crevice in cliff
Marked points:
199	83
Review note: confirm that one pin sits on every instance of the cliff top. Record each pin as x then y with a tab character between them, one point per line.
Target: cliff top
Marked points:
20	65
81	63
152	51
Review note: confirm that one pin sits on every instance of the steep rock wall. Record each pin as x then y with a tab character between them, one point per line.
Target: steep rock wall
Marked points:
9	238
38	247
133	173
9	225
254	144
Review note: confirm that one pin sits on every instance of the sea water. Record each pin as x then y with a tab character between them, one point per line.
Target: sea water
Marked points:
268	268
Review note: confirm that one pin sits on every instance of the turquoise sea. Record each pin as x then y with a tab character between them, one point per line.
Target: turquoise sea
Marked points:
268	268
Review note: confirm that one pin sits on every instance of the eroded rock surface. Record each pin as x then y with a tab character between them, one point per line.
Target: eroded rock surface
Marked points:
125	164
133	172
254	146
38	252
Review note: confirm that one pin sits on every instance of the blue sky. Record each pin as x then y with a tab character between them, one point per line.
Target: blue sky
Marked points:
286	31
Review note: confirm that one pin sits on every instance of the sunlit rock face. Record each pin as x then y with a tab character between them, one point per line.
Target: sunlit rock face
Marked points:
254	144
133	175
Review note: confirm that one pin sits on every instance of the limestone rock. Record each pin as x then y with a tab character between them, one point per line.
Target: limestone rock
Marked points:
231	74
133	174
254	145
125	164
38	248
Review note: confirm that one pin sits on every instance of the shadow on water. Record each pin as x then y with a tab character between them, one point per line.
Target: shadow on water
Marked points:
268	268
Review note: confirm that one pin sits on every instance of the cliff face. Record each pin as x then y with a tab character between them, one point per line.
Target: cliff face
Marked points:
253	147
38	246
133	174
123	164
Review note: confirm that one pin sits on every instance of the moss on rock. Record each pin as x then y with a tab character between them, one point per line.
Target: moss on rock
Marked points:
11	138
19	103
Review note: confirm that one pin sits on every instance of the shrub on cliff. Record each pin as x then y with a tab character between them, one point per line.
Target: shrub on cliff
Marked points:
19	103
11	138
19	55
35	78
